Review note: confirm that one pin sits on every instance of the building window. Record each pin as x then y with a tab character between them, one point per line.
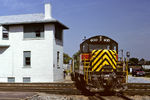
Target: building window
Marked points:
11	79
32	31
58	59
5	32
27	58
26	80
58	32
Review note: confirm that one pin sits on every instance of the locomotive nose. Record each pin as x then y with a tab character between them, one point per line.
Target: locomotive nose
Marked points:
108	79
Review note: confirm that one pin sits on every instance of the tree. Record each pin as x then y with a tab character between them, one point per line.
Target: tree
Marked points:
147	62
134	61
67	58
76	58
142	61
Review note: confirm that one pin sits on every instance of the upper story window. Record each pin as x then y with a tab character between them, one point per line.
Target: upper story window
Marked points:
32	31
58	33
5	34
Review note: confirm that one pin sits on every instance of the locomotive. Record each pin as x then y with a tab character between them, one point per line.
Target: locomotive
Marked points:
99	67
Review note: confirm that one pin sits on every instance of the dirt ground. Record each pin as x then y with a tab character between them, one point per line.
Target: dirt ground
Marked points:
15	95
44	96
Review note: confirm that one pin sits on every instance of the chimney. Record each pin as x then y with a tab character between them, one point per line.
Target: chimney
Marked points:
48	11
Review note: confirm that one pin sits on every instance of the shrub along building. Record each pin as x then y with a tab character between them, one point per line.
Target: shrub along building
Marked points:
31	48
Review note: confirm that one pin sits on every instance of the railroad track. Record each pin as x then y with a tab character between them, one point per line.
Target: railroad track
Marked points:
116	96
138	89
138	85
125	97
68	88
133	89
54	88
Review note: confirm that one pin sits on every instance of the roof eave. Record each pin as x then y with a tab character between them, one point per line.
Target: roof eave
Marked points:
31	22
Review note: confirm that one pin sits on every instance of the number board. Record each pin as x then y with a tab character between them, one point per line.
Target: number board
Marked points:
100	39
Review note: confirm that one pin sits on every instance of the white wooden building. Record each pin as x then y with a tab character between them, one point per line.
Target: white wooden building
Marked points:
31	48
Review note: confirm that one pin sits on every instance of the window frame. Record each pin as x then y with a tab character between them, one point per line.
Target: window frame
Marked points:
25	61
58	33
34	31
5	30
58	58
23	79
12	78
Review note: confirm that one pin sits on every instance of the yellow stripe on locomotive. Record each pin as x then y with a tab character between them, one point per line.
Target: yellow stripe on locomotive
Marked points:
101	58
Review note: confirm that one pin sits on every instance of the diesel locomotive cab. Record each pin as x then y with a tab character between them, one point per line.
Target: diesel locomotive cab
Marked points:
98	62
97	43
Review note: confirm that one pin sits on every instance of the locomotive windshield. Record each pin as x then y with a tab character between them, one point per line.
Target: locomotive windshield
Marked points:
98	47
97	43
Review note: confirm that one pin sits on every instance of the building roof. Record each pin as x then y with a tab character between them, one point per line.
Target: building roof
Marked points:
28	19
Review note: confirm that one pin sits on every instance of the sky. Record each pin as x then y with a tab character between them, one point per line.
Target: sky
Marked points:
126	21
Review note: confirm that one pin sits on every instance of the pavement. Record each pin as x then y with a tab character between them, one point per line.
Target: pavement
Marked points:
67	79
133	79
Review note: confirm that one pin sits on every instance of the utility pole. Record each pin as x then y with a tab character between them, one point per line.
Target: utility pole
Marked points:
122	54
127	66
73	65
